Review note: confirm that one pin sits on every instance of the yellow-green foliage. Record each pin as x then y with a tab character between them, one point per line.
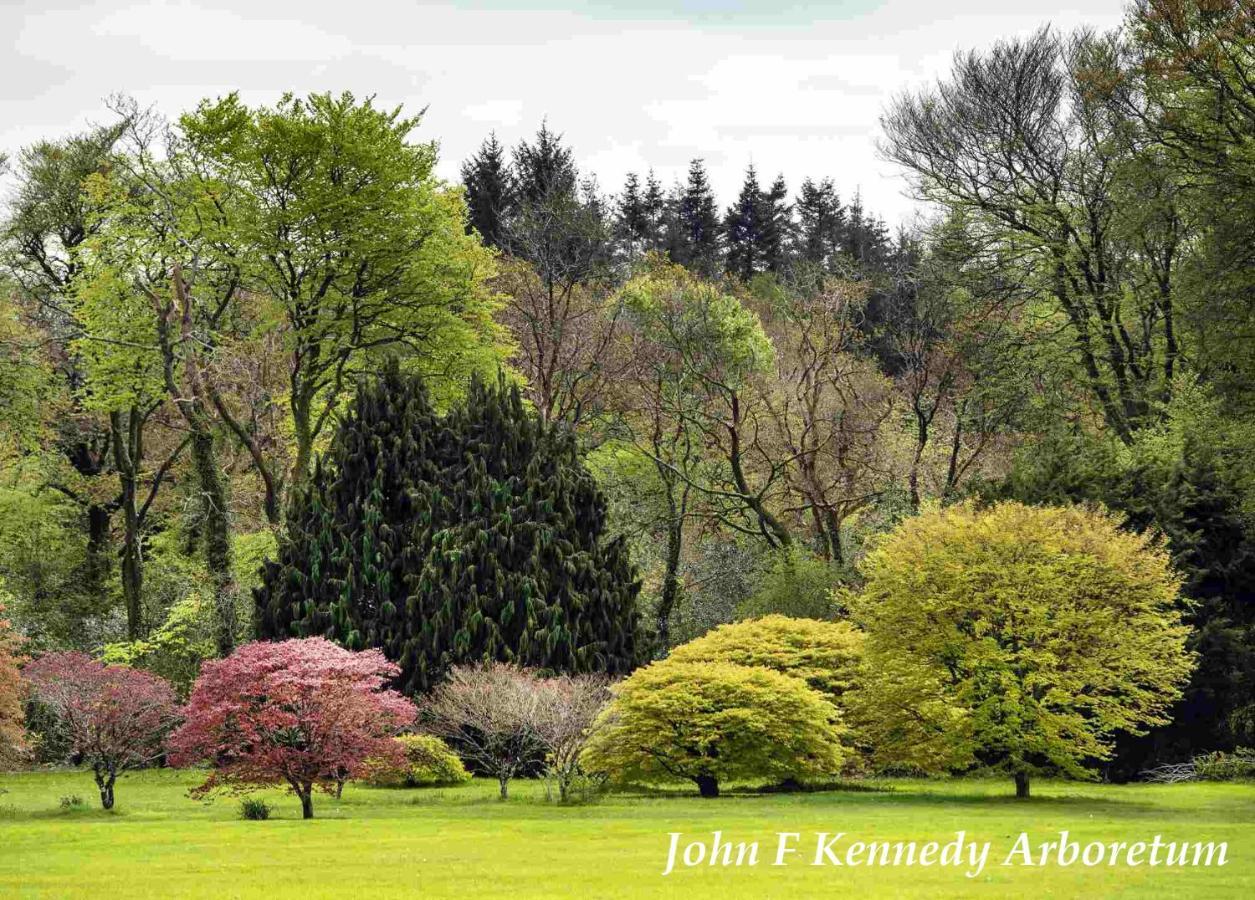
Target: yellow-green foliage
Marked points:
826	655
1016	638
711	722
428	761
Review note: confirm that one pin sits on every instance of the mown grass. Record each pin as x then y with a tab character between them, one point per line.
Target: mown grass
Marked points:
464	843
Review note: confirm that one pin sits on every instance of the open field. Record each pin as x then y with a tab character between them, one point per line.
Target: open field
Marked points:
464	843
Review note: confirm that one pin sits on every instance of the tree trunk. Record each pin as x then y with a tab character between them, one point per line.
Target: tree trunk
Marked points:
105	779
1021	785
97	563
127	452
505	787
307	803
670	584
707	786
217	536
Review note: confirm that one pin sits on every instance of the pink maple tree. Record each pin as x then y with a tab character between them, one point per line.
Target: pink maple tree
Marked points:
306	713
114	718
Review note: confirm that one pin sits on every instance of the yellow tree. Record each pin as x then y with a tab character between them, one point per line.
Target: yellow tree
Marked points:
1016	639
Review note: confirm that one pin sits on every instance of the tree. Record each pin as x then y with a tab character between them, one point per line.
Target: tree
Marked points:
743	229
695	242
712	722
826	655
489	191
12	717
821	222
112	718
426	760
305	713
469	537
338	220
1017	639
567	719
489	713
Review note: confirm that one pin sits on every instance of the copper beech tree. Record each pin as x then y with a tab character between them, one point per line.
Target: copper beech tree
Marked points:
306	713
113	718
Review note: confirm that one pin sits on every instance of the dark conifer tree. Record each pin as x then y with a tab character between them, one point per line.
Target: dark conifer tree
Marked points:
696	240
821	222
544	171
743	229
471	536
775	228
489	191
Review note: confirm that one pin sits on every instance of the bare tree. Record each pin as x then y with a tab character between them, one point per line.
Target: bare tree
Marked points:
568	711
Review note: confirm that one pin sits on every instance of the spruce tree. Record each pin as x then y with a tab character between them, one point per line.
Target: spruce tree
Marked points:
476	535
775	228
821	223
544	170
489	191
742	227
696	242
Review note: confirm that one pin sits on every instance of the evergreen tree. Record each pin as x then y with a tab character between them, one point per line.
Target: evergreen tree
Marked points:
489	191
821	223
544	171
743	228
776	226
639	213
695	242
473	536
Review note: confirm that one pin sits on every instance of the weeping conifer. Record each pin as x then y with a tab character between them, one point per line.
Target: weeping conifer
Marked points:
446	539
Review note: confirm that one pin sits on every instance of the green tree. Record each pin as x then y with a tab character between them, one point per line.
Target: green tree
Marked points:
713	722
468	537
1016	639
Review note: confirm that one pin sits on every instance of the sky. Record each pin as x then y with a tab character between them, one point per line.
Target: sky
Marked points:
790	87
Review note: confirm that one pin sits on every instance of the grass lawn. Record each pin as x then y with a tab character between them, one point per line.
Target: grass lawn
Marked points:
464	843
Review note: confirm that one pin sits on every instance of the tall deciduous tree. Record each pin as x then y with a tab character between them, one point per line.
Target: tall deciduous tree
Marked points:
12	709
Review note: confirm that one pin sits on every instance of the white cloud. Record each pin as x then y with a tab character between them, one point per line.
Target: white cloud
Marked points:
802	98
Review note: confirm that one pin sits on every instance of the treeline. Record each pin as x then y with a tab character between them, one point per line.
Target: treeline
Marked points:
760	384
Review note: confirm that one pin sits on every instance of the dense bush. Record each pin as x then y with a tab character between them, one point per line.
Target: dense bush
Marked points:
255	809
826	655
13	743
1016	639
712	722
427	760
1220	766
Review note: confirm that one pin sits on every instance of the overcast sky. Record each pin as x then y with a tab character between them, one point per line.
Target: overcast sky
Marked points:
792	87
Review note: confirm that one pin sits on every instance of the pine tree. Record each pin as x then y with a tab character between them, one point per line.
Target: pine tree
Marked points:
775	226
489	191
544	171
477	535
742	226
695	243
821	222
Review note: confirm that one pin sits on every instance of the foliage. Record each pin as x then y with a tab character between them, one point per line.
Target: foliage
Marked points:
473	536
254	809
1238	765
113	718
488	713
796	584
826	655
305	713
1017	639
426	760
714	722
13	743
568	718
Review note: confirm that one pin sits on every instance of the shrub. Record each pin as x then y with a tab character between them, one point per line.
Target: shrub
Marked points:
710	722
426	760
254	809
796	584
13	742
112	718
71	801
489	713
1219	766
1016	639
826	655
568	717
305	713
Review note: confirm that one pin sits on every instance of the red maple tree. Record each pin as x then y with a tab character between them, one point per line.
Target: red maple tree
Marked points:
114	718
306	713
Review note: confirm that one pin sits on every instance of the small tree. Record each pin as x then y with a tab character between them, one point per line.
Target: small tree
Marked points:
567	720
305	713
489	714
826	655
111	717
1017	639
12	730
709	722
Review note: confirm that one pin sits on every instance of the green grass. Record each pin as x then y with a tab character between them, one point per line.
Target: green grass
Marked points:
463	843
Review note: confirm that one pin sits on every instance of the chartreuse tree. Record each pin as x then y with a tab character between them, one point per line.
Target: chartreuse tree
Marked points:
1016	639
709	723
471	536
